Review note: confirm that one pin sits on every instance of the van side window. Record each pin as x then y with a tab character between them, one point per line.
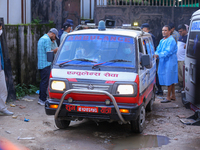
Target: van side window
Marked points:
146	44
194	39
140	45
147	47
140	49
152	47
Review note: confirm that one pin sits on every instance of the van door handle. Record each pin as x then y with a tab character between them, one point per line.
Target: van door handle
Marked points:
190	71
186	69
148	73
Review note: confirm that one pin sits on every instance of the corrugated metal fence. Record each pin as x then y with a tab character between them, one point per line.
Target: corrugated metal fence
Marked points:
165	3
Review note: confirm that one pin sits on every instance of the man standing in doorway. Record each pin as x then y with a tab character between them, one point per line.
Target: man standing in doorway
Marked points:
3	88
168	65
44	45
181	51
145	27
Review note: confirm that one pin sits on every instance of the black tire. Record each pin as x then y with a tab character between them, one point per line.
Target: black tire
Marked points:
150	104
137	126
62	124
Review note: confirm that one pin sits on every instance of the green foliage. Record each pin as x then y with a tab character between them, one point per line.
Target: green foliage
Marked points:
36	21
51	22
22	90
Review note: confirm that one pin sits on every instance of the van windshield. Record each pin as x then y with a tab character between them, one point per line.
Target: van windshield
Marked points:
194	39
102	50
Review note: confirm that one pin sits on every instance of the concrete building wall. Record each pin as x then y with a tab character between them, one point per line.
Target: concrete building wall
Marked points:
56	10
156	16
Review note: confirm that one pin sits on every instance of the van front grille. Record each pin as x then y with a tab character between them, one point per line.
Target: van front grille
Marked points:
90	87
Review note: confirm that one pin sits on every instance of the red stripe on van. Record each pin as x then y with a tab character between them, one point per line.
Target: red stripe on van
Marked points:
92	97
146	93
111	82
50	75
138	89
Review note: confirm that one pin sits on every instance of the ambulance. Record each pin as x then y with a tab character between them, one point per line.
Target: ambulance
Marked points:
103	74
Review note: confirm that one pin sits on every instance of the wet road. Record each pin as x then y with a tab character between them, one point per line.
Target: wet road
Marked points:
163	130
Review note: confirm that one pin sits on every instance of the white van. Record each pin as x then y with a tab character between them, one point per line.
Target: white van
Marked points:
193	42
103	74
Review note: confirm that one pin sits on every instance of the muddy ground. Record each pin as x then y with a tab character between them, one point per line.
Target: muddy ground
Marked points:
163	130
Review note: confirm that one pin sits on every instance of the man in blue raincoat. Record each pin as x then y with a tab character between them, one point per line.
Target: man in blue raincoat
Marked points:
168	64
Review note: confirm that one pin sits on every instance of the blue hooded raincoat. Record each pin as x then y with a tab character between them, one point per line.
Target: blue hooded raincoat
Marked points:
168	64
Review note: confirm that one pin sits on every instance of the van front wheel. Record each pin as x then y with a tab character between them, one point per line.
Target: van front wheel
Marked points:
62	124
137	125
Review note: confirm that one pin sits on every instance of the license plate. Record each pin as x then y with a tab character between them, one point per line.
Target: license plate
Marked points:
87	109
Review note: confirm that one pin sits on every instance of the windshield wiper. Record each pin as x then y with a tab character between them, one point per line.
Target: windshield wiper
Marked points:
79	59
98	64
119	60
115	60
83	59
64	63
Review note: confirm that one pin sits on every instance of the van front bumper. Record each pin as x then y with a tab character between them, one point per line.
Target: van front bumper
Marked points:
72	111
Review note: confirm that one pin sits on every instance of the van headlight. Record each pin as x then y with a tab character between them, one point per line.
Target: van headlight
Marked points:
125	89
58	85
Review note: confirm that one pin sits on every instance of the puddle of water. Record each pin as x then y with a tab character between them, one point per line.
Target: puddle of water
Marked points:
140	141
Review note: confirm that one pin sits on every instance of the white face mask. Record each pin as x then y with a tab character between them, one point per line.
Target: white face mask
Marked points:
1	31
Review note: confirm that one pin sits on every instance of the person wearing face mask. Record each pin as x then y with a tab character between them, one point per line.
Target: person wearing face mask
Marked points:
44	45
87	51
124	51
146	28
60	32
3	88
67	29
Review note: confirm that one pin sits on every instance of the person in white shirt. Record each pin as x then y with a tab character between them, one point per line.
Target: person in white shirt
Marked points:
181	51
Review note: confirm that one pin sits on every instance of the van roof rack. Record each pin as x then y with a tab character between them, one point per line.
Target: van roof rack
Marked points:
131	28
83	27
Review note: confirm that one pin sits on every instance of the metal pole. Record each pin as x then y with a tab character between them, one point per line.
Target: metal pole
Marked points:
22	11
7	11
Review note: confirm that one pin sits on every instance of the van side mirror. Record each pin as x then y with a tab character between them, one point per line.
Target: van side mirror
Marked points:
145	60
50	56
